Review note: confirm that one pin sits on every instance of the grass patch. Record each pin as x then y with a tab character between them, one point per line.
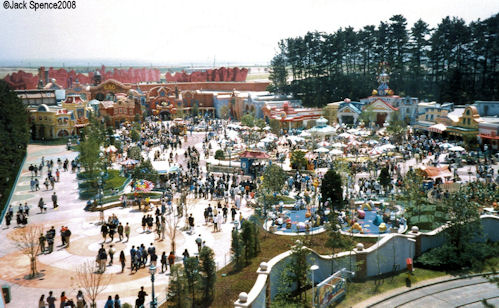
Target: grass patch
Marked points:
360	291
228	287
88	189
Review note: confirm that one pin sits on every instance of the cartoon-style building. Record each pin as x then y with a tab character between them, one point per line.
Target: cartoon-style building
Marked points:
123	109
50	122
289	116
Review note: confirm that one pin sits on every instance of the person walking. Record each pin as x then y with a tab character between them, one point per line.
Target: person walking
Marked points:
164	262
80	300
42	240
171	260
122	261
120	231
111	254
51	300
41	302
109	302
104	231
117	302
127	232
54	200
199	241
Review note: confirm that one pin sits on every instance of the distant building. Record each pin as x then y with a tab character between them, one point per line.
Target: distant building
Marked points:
50	122
37	97
488	132
122	109
290	117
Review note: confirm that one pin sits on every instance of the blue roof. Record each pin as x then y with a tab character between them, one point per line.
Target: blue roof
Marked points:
352	107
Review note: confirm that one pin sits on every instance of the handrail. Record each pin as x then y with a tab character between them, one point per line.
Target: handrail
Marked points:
14	185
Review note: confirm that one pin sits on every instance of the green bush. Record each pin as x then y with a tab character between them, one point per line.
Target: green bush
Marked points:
447	257
219	154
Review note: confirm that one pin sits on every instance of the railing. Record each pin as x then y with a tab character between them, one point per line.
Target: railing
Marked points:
14	185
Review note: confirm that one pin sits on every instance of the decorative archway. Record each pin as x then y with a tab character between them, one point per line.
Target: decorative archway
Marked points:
62	133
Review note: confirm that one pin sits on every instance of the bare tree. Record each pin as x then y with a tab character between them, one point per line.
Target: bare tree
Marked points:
27	239
172	222
90	281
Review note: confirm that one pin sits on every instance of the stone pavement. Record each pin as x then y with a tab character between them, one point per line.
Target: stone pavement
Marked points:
59	267
445	291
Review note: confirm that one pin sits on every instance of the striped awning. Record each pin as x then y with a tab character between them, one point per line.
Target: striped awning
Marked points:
437	128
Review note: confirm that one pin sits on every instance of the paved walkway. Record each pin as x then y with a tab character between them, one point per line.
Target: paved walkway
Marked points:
442	292
59	267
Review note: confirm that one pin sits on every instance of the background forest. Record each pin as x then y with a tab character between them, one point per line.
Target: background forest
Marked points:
453	62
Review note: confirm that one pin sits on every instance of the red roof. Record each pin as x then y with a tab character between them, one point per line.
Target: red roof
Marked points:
254	155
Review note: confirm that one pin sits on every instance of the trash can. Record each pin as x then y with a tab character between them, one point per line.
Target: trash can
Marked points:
6	293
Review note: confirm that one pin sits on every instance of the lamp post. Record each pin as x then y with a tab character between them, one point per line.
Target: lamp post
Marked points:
313	268
229	151
152	271
99	191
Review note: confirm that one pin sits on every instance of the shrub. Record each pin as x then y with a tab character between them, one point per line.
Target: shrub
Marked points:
219	154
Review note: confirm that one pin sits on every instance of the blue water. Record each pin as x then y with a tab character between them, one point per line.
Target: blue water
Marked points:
295	216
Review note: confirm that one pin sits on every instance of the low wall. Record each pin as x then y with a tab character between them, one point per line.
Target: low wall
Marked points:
387	256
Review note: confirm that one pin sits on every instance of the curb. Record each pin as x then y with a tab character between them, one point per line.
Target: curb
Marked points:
426	285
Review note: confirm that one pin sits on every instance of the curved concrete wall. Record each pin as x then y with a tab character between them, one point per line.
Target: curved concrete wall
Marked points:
388	255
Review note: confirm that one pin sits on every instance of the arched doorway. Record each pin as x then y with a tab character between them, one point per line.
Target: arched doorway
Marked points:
63	133
41	132
380	118
165	115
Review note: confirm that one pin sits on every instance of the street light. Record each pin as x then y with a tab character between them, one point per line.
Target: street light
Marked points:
313	268
152	271
229	151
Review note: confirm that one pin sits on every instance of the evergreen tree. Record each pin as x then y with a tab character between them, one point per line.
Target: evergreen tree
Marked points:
331	189
177	287
273	178
384	178
208	273
278	74
14	137
191	274
237	249
248	239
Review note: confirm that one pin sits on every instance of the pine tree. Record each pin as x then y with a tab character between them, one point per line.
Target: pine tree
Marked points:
237	250
248	239
208	271
177	287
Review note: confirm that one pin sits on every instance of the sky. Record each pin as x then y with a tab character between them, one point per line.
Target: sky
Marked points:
220	32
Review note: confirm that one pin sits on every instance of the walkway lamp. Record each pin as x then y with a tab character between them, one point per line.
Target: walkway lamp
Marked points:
313	268
152	271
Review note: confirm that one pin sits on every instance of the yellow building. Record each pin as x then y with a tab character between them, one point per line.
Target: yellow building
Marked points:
50	122
330	112
467	123
79	110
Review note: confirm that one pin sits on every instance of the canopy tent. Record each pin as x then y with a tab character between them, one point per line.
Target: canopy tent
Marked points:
321	150
324	144
456	149
336	152
305	134
296	138
437	128
254	155
129	162
375	151
338	145
436	172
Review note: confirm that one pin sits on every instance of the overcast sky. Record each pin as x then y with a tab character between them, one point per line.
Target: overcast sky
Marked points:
183	31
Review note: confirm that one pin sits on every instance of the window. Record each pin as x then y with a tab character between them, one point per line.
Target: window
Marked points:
469	121
426	117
